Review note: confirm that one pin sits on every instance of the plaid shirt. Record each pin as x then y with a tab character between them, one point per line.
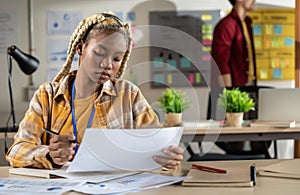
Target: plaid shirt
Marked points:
119	105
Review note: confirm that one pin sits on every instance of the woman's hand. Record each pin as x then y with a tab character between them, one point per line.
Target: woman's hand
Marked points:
61	150
172	159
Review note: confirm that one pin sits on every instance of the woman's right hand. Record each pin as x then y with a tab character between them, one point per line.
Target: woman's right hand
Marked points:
61	150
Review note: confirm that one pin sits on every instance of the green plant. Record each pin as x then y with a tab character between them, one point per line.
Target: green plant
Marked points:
173	101
235	101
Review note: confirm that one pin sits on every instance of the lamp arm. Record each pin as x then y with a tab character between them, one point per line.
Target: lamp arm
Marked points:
12	108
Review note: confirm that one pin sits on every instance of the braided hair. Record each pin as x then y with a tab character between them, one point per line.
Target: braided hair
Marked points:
89	28
232	2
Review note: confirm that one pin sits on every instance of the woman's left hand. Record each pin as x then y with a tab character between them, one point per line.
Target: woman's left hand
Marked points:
172	159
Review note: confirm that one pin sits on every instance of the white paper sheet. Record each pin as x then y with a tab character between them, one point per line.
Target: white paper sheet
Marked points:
133	183
120	149
93	177
37	186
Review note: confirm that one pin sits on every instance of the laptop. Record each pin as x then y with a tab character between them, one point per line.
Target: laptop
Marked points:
279	104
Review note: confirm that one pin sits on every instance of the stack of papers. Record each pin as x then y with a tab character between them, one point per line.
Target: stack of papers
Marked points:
201	124
286	169
271	123
234	177
94	177
133	183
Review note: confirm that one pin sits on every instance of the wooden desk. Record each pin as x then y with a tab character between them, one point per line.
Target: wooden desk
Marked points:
10	135
230	134
239	134
265	185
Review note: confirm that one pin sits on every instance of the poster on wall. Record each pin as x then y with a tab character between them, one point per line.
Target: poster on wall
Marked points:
62	22
181	44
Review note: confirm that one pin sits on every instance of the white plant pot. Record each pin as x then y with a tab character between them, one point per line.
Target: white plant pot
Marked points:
234	119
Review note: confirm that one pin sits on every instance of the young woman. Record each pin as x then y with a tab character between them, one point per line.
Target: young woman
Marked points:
92	96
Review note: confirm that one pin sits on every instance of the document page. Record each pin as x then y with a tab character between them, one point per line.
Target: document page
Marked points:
123	149
133	183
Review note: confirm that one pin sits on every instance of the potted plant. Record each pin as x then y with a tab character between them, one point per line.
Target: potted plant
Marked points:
235	103
173	103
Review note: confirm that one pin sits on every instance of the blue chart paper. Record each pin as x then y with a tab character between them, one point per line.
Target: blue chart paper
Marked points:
134	183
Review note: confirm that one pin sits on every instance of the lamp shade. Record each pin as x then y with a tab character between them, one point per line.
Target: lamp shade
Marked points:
26	62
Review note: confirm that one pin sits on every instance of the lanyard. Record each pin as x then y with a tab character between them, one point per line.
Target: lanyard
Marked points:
74	118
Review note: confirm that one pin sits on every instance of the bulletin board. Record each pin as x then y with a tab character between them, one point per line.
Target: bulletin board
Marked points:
274	42
172	68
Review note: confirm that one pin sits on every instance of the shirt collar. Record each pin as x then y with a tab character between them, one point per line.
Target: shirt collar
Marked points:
108	87
234	14
63	90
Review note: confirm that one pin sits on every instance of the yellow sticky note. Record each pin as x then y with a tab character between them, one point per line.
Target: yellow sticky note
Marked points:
206	17
170	79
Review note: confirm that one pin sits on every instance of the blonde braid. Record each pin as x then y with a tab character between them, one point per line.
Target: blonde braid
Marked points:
76	37
127	53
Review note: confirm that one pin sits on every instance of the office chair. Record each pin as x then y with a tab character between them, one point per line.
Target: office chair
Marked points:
233	150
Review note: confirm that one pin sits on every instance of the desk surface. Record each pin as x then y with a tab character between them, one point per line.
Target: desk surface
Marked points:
243	133
10	135
265	185
239	133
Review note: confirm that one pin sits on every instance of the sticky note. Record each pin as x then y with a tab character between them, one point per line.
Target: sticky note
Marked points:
257	29
197	77
191	78
169	79
206	58
277	29
207	37
158	62
184	62
263	73
158	78
207	29
171	64
277	73
206	17
206	48
206	42
288	41
268	29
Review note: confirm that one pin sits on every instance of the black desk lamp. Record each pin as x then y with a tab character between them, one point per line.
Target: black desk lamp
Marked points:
28	65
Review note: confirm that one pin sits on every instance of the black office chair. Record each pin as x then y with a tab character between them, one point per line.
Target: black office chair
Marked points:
233	150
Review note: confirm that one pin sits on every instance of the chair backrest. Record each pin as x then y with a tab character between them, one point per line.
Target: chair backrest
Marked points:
216	113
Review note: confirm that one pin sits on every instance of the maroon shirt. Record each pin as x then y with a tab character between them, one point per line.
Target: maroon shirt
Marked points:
229	48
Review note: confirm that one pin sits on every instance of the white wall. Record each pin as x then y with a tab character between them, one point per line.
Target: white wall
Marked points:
20	80
86	7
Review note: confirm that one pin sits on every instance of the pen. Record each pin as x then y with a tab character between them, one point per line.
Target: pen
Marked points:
55	133
205	168
253	174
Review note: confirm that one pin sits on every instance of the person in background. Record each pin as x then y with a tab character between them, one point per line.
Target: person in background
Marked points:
233	46
234	56
94	96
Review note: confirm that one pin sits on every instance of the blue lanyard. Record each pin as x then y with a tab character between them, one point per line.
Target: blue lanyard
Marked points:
74	118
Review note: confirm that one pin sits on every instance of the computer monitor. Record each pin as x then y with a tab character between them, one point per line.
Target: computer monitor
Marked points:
279	104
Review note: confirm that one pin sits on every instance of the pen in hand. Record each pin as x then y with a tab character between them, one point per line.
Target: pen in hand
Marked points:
55	133
210	169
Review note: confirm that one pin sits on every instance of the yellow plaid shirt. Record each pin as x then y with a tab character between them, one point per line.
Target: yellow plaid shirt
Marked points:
119	105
